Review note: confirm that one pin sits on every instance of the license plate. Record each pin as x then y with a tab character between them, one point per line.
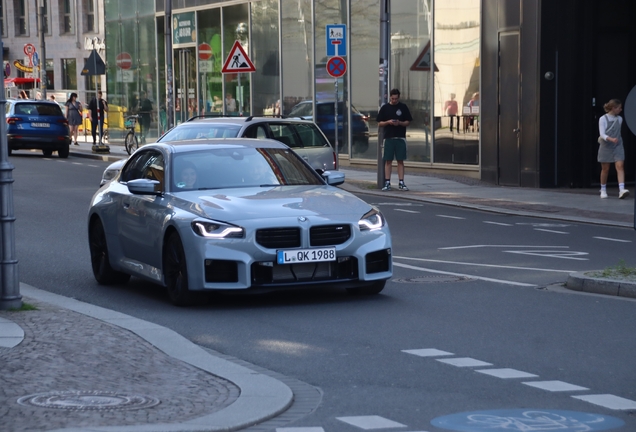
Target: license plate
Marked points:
306	255
41	125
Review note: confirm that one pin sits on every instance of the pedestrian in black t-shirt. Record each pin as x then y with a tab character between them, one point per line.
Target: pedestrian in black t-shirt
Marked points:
98	108
394	117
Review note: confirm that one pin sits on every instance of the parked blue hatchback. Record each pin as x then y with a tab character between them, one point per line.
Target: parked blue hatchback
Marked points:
37	124
325	120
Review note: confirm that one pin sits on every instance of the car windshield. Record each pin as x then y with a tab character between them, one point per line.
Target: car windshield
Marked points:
38	109
240	167
201	130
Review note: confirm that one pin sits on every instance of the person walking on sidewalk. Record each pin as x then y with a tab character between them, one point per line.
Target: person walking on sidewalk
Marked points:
610	148
394	117
98	108
73	115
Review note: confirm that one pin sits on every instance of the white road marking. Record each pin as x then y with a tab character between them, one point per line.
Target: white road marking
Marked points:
401	204
554	386
77	163
464	362
462	274
498	223
501	246
450	217
300	429
551	231
507	373
484	265
609	401
370	422
553	254
406	211
427	352
94	166
613	239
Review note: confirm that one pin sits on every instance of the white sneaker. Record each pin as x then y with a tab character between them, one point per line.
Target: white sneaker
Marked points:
622	194
603	194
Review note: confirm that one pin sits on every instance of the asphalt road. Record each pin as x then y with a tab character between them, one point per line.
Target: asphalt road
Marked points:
477	285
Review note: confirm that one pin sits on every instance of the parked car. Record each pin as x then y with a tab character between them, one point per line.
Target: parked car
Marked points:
303	136
325	119
234	214
37	124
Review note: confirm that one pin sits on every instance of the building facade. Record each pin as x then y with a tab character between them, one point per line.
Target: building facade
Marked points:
72	28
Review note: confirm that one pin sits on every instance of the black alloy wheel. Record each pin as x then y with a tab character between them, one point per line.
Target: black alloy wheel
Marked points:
63	152
103	272
175	271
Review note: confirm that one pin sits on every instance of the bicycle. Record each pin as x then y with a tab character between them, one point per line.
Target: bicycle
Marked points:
131	142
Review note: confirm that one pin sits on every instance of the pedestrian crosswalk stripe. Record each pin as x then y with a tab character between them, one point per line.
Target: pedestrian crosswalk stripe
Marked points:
507	373
427	352
608	401
464	362
554	386
370	422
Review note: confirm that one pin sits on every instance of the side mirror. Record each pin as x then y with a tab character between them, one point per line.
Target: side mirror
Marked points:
144	187
333	178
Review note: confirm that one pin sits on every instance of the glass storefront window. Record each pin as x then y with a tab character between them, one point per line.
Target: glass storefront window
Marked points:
330	12
266	79
210	79
456	109
237	85
297	53
410	72
365	51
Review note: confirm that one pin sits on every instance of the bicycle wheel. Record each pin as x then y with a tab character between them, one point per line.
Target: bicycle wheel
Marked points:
131	143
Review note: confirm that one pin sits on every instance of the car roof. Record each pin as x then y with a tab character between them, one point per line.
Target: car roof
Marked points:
241	121
202	144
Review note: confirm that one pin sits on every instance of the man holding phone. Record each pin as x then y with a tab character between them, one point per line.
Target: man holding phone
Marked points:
394	117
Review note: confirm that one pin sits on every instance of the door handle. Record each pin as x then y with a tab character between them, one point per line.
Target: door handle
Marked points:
517	130
126	205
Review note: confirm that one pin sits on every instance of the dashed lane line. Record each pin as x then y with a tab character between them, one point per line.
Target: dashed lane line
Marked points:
554	386
551	231
370	422
464	275
608	401
464	362
507	373
497	223
613	239
450	217
406	211
485	265
501	246
427	352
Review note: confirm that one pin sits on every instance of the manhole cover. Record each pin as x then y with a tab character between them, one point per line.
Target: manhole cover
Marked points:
433	279
89	400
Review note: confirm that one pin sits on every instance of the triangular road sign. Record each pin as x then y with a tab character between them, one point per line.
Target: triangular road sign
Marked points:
238	61
423	61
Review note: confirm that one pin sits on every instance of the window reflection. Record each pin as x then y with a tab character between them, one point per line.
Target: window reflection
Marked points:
456	109
237	85
265	80
410	71
297	52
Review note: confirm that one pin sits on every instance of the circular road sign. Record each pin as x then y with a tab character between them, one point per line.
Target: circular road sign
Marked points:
7	70
629	111
205	52
336	67
123	60
29	49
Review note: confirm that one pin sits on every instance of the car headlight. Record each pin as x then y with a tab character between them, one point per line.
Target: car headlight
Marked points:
109	174
217	230
372	220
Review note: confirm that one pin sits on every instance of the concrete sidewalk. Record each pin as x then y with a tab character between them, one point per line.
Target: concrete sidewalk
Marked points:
72	366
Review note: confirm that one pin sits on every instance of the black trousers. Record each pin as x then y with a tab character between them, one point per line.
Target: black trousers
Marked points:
94	127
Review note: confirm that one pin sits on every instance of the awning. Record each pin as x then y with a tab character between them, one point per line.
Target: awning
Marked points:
20	81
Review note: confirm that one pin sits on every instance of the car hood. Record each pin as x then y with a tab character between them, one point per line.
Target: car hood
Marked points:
240	204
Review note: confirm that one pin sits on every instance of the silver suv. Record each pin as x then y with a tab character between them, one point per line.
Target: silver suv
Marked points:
303	136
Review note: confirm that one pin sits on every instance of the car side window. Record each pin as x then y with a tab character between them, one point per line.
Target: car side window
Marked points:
257	131
148	165
310	136
285	134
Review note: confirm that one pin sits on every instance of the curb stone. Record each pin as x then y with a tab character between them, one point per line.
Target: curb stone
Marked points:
580	281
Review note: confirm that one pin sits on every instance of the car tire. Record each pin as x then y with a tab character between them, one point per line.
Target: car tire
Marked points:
63	152
47	153
100	262
376	288
175	272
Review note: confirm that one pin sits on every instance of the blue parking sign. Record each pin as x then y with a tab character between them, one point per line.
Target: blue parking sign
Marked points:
336	40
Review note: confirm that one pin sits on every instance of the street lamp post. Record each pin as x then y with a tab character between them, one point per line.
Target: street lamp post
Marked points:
10	297
385	32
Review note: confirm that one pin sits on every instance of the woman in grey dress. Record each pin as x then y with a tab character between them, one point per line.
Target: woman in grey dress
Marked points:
610	148
73	115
